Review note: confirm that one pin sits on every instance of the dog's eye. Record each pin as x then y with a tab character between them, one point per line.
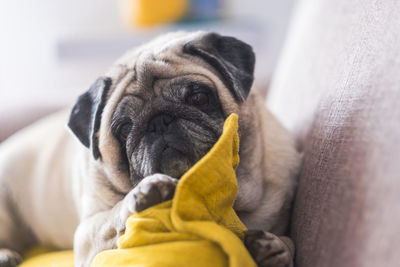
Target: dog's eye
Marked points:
124	131
198	99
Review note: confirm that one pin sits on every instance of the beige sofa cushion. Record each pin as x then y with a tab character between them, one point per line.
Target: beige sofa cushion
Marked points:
13	119
337	89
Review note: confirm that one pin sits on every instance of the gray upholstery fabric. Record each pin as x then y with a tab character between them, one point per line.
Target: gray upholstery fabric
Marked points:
337	89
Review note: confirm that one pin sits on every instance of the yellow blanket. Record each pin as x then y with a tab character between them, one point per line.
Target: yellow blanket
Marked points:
198	227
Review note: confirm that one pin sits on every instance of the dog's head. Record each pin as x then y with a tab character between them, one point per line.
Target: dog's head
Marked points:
162	106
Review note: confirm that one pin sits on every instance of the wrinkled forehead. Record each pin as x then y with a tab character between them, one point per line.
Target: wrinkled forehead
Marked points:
146	68
147	72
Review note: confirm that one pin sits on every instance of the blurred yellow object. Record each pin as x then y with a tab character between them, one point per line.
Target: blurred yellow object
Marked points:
43	257
35	251
145	13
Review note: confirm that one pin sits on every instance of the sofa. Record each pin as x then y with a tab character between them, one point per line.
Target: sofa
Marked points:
337	89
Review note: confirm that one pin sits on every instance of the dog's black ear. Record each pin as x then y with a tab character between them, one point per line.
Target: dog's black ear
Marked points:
84	120
232	58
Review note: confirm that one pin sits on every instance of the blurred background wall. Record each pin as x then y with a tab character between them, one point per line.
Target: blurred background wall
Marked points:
51	51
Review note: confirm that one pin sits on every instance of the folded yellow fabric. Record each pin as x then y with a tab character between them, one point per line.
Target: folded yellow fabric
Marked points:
198	227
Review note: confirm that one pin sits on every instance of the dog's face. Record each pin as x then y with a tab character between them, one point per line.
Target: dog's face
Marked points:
170	128
162	106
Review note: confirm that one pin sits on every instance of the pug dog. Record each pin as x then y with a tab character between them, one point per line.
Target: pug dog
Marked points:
157	111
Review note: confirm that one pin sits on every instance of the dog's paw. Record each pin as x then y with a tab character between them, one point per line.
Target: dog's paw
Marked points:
267	249
153	190
9	258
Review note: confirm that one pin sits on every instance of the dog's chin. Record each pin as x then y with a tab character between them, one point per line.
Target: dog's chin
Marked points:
160	156
173	162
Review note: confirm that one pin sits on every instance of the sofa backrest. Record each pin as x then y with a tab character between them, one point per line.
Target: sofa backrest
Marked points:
337	88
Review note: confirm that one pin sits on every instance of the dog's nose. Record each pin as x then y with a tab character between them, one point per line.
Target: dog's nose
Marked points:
159	123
